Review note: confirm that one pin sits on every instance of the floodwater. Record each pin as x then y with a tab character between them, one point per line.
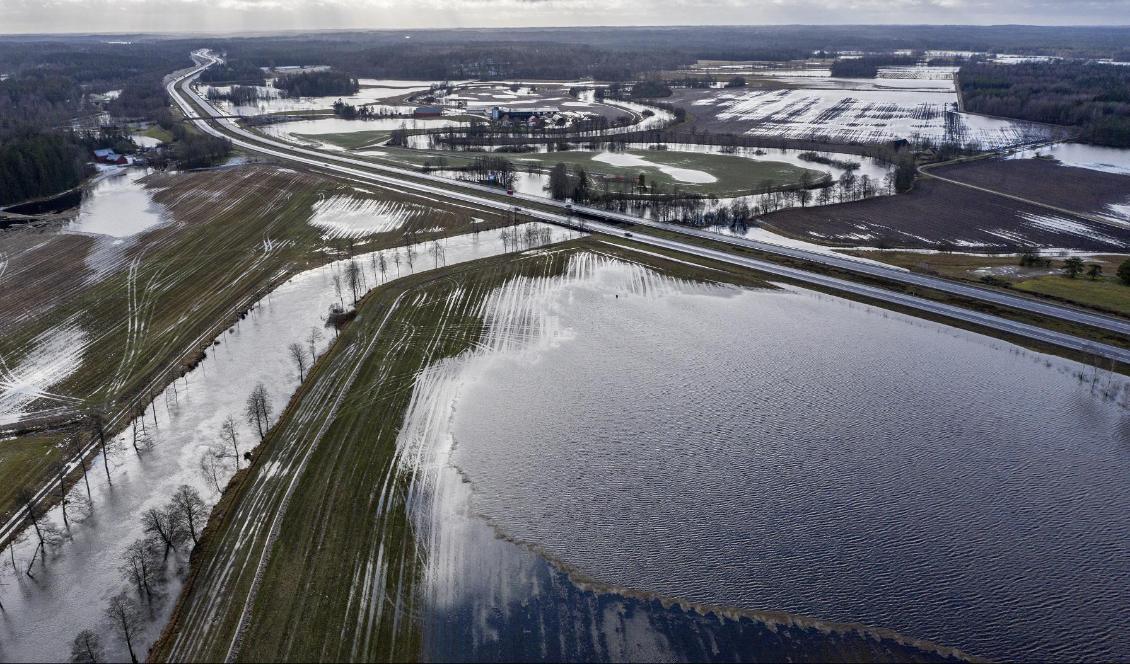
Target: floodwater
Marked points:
706	443
117	206
70	591
1081	155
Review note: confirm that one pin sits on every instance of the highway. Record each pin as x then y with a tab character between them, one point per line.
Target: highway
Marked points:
195	106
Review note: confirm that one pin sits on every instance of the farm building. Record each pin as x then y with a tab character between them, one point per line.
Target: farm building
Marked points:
108	156
427	112
520	114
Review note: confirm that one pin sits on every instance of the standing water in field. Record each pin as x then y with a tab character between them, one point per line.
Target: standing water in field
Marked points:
705	443
69	591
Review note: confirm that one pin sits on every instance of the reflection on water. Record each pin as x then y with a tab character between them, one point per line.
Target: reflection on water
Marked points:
766	450
118	206
1081	155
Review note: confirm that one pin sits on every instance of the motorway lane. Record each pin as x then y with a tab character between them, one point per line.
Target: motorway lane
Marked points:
444	188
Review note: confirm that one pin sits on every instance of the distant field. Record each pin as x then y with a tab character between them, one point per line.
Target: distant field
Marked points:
350	140
939	212
734	175
1045	181
847	110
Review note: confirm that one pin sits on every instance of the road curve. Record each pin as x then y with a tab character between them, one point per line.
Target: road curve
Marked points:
191	103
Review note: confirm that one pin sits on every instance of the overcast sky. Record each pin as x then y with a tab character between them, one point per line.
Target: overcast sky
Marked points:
241	15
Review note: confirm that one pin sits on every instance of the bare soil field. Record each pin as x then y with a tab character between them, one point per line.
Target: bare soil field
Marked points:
38	269
1045	181
940	213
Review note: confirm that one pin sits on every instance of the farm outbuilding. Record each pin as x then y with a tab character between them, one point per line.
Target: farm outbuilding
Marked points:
427	112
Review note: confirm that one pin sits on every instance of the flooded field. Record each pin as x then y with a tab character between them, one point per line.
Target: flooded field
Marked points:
870	114
1081	155
70	588
736	472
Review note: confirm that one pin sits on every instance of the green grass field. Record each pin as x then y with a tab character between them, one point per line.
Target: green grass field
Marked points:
350	140
734	175
1105	293
23	458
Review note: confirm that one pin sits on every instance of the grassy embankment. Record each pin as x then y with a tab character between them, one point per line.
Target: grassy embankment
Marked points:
342	550
1105	294
234	234
155	131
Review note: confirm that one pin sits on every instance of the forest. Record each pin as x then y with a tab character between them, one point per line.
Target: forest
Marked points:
36	164
868	66
234	71
46	95
317	84
1093	97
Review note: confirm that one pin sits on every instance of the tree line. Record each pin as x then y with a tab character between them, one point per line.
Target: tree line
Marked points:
868	65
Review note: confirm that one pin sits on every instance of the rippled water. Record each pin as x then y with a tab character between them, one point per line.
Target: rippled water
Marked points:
782	451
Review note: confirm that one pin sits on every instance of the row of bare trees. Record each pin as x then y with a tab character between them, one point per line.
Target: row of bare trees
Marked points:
143	567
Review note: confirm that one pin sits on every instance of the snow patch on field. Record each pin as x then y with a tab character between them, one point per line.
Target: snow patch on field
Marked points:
347	216
1068	227
869	115
51	358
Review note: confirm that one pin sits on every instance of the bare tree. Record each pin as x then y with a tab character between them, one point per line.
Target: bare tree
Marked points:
139	565
382	265
258	409
437	251
191	510
61	475
312	341
338	290
231	437
87	648
212	467
125	617
163	525
354	277
396	260
141	440
299	357
26	497
74	448
97	425
373	264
